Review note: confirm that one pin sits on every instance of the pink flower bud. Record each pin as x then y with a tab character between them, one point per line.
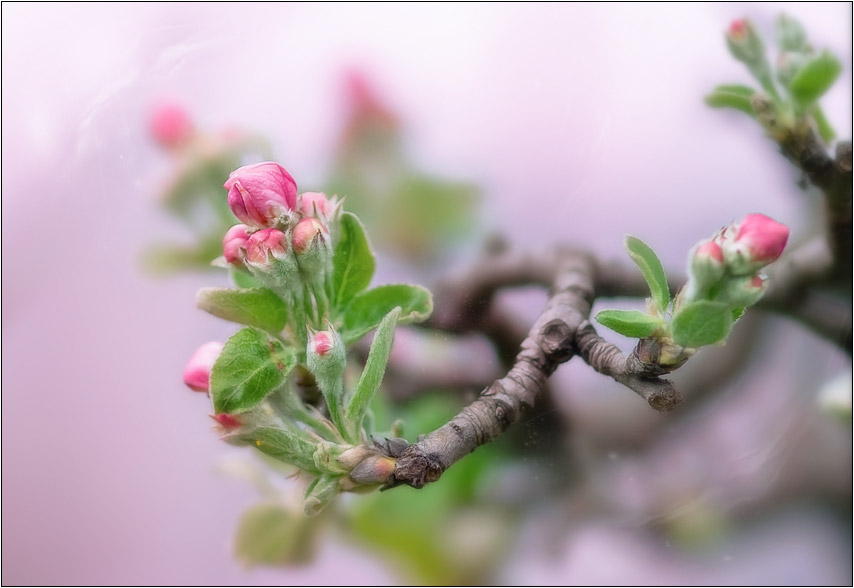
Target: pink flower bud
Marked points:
265	243
709	250
305	233
758	241
234	243
260	194
737	29
229	422
322	343
171	125
197	374
315	204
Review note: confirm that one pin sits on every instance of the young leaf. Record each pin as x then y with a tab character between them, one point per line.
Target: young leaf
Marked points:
631	323
732	96
353	262
250	366
815	78
270	534
256	307
790	34
282	444
650	267
372	375
243	279
367	309
320	493
825	129
701	323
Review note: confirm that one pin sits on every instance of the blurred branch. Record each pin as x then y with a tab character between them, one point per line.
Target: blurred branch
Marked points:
561	330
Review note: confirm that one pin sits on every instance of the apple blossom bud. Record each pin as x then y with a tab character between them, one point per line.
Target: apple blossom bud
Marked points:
744	43
197	374
228	422
234	243
744	291
171	126
376	469
326	356
309	232
316	204
260	195
758	241
707	263
265	244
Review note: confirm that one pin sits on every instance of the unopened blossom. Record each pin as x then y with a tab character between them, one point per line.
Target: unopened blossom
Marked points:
234	243
260	195
315	204
266	244
307	232
197	374
753	243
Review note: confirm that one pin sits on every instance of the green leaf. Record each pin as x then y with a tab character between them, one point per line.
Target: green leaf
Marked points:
256	307
825	129
250	366
282	444
372	375
270	534
737	313
320	493
650	267
701	323
815	78
631	323
732	96
353	262
243	279
790	34
367	309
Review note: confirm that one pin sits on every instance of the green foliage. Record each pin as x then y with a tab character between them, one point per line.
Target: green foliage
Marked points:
251	365
287	444
790	34
255	307
353	262
631	323
271	534
732	96
703	322
652	271
367	309
814	79
372	375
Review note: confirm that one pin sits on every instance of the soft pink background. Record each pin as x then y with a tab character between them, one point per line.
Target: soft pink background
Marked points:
581	122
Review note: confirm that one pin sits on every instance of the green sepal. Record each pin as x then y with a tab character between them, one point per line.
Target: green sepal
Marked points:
255	307
652	271
285	445
367	309
353	261
732	96
701	323
251	366
631	323
320	493
372	375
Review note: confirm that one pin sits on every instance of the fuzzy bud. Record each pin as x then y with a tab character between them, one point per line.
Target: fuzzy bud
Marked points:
744	291
265	245
316	204
325	356
234	244
309	233
707	263
261	195
758	240
744	43
171	126
197	374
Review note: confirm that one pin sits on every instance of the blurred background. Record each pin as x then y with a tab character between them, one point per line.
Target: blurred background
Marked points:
442	124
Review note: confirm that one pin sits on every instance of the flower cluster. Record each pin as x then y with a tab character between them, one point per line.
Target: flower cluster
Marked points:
726	268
